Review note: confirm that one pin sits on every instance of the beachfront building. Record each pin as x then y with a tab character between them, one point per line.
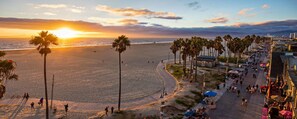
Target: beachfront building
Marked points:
282	77
290	81
206	61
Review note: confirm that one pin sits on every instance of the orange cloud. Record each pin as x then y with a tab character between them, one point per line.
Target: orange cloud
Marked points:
244	12
218	20
138	12
129	21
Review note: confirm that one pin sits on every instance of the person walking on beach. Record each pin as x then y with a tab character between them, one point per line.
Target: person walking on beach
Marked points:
27	96
41	101
32	105
106	111
66	108
112	110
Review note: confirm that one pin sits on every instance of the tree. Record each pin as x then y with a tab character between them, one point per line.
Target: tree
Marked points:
120	44
185	52
227	38
179	45
196	47
7	68
174	49
43	41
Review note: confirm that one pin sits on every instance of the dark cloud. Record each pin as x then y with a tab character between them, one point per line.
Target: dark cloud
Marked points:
154	30
194	5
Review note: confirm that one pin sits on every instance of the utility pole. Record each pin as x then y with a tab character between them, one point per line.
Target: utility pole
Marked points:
52	91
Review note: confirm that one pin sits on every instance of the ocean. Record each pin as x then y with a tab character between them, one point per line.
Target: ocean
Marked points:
22	43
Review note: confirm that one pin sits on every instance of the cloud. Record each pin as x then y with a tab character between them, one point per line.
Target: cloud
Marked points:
265	6
52	6
153	30
244	12
49	13
218	20
129	21
138	12
194	5
71	8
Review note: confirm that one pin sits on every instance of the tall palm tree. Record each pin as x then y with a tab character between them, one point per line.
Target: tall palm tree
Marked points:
197	45
7	68
174	49
120	44
179	46
185	52
43	41
227	38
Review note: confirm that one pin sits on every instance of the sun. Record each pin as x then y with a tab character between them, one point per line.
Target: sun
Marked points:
65	33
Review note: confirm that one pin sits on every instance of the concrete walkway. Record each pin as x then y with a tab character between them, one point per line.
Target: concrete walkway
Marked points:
229	105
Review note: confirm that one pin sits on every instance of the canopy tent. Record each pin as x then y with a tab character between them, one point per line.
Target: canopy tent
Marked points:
210	93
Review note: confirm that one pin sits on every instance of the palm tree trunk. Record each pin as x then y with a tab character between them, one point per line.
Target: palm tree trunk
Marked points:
120	83
191	69
174	58
196	66
179	56
45	87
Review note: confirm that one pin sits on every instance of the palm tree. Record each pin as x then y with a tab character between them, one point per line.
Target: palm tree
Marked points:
43	41
179	45
7	68
120	44
185	52
197	44
174	49
227	38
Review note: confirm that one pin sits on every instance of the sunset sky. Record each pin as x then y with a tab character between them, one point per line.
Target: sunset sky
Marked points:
139	18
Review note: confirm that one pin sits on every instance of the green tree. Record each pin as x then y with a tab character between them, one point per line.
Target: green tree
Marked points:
7	68
174	48
43	41
120	44
196	47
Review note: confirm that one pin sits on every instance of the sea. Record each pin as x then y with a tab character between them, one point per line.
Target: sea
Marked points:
23	43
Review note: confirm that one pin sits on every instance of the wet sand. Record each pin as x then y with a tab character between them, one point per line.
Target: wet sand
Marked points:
89	75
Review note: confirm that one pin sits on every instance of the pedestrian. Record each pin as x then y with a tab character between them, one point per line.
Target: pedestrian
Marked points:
66	108
238	93
32	105
27	96
112	110
236	81
242	101
106	111
240	82
41	101
24	95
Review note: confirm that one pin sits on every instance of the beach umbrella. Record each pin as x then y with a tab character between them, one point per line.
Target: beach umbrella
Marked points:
285	112
210	93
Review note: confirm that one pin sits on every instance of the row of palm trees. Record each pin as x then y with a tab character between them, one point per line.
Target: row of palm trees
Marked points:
193	47
190	48
45	39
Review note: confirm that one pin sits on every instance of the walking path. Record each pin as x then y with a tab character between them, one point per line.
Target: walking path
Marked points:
229	105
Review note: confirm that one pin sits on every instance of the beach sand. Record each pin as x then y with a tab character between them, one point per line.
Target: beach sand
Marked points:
88	76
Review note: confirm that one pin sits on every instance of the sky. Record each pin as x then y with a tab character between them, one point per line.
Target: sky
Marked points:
140	18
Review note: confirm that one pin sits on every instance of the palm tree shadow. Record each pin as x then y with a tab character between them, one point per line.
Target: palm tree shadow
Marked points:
20	107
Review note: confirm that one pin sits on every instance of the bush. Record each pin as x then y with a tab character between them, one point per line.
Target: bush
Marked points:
231	60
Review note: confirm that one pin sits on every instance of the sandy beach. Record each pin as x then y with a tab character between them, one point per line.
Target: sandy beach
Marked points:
88	76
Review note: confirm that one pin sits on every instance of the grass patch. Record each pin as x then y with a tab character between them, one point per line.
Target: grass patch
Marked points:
184	102
176	70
